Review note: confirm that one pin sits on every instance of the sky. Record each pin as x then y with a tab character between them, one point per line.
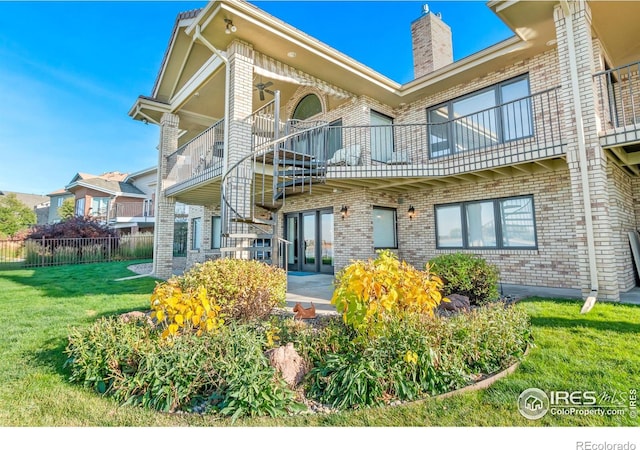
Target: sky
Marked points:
70	72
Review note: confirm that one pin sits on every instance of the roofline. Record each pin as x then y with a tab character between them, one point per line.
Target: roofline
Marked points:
106	191
509	45
140	172
185	15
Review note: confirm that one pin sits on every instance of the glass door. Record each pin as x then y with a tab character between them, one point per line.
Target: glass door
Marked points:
309	247
292	233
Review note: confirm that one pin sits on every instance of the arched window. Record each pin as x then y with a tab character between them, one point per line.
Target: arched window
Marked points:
309	106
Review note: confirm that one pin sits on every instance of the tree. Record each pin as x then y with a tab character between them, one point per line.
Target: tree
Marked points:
68	209
14	215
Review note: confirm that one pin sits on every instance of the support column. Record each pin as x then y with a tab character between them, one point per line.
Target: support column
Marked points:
580	130
164	207
238	185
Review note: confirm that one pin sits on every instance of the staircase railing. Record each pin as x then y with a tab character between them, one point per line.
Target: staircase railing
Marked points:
245	185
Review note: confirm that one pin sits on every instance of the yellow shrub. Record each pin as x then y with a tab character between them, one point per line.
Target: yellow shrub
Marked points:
369	293
184	311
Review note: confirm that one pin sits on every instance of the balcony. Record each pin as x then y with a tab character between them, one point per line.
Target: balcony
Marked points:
198	160
131	212
618	93
526	130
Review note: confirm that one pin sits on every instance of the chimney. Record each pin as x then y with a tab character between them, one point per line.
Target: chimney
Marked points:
432	45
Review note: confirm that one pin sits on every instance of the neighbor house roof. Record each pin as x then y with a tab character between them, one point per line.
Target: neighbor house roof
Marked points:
111	183
31	200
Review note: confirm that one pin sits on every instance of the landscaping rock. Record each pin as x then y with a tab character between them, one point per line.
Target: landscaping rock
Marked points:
136	315
456	303
289	363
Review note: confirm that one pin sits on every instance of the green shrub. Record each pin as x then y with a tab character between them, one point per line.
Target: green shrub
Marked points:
413	357
226	372
245	290
467	275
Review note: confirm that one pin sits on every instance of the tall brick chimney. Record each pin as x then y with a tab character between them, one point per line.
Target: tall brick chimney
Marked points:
432	45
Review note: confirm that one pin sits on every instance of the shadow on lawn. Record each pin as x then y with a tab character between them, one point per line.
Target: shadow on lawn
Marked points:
52	353
83	279
558	322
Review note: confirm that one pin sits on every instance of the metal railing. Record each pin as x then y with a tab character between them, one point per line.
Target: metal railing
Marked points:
60	251
131	209
522	130
618	93
202	156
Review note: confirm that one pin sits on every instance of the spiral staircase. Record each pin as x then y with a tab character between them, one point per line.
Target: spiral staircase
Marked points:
286	159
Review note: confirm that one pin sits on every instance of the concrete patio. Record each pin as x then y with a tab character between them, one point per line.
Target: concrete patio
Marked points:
318	288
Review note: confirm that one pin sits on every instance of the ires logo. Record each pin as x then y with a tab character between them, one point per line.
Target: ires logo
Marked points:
576	398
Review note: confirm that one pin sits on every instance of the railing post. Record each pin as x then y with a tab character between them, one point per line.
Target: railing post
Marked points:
42	252
109	249
276	136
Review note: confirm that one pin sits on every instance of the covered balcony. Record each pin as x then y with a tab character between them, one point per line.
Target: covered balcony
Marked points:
618	92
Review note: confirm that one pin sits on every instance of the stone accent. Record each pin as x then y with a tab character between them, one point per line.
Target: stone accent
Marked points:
288	363
432	44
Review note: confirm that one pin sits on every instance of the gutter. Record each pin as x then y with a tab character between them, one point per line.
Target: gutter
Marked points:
582	156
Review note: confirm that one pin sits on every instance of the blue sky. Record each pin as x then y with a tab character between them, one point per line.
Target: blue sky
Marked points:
70	71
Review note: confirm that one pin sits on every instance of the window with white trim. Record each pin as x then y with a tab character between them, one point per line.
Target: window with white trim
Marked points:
505	223
384	228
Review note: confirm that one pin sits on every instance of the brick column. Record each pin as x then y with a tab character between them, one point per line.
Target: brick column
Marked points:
165	207
597	162
238	186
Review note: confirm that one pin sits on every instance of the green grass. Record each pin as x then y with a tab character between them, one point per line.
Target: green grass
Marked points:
599	351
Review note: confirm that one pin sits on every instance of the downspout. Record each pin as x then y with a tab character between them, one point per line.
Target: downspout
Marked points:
227	89
582	156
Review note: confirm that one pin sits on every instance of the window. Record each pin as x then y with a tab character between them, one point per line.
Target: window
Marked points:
59	201
481	119
309	106
80	207
99	206
381	137
500	223
196	233
384	228
216	231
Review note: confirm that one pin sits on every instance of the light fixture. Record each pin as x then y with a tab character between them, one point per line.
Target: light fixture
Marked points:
145	121
230	28
412	212
343	211
292	54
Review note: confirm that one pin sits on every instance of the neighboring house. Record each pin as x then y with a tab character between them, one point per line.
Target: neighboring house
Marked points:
56	199
525	153
38	203
115	198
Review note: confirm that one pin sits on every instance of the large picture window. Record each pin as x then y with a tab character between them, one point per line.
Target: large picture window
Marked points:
499	223
384	228
99	206
491	116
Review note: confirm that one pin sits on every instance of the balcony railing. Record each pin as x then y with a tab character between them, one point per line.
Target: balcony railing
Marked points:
519	131
131	210
618	91
201	157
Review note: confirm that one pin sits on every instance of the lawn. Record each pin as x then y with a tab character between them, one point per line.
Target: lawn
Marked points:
595	352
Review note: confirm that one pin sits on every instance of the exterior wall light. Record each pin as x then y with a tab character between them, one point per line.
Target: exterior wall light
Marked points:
412	212
230	28
343	211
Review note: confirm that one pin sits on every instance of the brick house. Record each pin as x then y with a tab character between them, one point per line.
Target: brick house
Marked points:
122	200
523	153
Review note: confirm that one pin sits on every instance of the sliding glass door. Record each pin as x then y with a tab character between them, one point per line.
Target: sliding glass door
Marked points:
310	236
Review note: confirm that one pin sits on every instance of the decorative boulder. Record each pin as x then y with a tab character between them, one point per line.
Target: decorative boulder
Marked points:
289	363
456	303
136	315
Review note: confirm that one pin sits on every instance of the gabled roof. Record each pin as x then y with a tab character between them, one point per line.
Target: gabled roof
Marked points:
111	183
140	173
31	200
